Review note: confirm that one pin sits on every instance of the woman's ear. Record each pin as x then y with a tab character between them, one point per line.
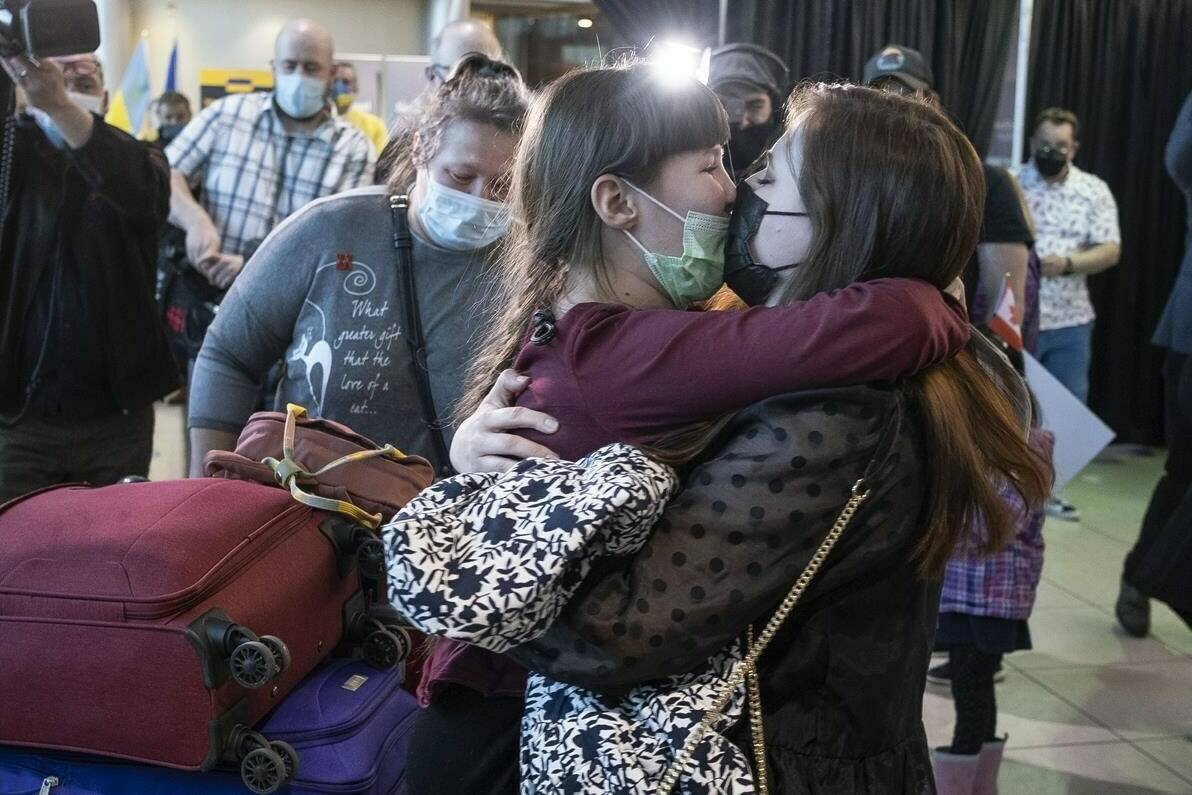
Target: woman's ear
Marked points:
612	202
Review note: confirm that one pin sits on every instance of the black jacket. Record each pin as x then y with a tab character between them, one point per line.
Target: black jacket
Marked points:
93	216
842	683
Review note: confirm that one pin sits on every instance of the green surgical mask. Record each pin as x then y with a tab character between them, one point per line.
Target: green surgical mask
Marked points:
698	272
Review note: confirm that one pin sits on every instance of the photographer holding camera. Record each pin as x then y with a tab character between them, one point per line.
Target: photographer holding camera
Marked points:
81	350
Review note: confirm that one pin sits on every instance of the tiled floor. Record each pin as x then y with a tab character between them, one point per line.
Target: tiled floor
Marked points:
1089	711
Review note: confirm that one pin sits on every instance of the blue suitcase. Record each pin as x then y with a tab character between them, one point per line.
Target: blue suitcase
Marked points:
347	722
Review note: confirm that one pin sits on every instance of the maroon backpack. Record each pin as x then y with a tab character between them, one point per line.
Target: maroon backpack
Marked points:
308	457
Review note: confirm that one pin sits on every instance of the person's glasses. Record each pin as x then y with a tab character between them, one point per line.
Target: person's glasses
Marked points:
437	72
80	68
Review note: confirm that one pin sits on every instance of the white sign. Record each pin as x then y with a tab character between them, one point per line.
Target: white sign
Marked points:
1080	436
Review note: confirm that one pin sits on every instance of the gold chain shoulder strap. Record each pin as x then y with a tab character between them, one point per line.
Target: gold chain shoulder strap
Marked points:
746	670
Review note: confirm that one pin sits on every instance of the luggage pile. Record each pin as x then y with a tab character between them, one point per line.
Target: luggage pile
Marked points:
218	625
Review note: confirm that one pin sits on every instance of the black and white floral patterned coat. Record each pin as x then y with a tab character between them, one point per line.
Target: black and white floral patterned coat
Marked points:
493	560
631	627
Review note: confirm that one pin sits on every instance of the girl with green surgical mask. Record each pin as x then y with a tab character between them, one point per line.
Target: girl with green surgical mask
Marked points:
619	206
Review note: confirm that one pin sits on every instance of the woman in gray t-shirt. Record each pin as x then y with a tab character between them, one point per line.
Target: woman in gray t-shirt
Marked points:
325	292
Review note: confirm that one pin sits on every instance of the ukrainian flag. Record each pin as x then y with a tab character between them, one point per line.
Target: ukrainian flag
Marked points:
131	101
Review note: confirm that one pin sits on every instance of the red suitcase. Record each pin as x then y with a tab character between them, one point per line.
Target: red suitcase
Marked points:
158	622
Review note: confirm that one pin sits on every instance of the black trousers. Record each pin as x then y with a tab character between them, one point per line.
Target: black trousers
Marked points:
465	743
1160	564
37	452
973	696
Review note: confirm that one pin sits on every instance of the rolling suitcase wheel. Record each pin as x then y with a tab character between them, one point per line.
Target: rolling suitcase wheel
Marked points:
383	645
403	640
289	757
252	664
370	558
263	771
281	653
264	766
382	649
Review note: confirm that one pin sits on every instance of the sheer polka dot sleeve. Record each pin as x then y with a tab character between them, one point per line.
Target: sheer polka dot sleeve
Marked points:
732	543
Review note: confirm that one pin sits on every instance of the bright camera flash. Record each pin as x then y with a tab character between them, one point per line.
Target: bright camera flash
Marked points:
674	61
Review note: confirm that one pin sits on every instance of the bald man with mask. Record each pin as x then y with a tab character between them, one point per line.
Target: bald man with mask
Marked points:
261	156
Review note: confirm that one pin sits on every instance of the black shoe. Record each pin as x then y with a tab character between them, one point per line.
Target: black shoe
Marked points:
942	674
1133	610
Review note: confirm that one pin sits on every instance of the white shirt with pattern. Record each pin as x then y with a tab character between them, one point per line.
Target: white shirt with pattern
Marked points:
254	174
1070	216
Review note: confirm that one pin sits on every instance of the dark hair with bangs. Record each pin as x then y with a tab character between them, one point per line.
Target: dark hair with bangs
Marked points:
623	120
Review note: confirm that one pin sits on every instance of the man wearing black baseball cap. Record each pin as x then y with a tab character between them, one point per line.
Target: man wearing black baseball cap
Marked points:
901	69
752	83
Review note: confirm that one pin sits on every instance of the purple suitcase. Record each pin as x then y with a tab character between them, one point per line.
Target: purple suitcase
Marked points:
350	725
348	722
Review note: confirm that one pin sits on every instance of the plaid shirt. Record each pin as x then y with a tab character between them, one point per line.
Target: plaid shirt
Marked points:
254	173
1001	585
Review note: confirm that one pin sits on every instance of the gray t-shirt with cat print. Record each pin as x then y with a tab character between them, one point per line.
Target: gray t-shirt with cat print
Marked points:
323	294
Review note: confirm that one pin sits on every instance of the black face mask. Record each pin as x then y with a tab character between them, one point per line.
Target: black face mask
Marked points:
749	280
168	132
747	145
1050	161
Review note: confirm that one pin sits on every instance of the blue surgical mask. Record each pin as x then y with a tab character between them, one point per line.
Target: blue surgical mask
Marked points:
460	221
300	96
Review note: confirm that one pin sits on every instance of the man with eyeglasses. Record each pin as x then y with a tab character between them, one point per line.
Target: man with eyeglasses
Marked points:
752	84
82	355
452	43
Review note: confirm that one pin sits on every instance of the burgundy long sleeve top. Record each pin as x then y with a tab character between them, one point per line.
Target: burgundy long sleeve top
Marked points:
611	373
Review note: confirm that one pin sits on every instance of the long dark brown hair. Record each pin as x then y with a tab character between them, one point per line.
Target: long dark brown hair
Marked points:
624	119
893	188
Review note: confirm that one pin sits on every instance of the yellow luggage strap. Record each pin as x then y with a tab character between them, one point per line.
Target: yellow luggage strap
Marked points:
288	471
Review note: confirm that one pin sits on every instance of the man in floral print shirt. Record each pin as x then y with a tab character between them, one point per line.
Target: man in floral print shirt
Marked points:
1076	234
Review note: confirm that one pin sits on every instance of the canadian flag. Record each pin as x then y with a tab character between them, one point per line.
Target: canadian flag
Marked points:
1006	322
